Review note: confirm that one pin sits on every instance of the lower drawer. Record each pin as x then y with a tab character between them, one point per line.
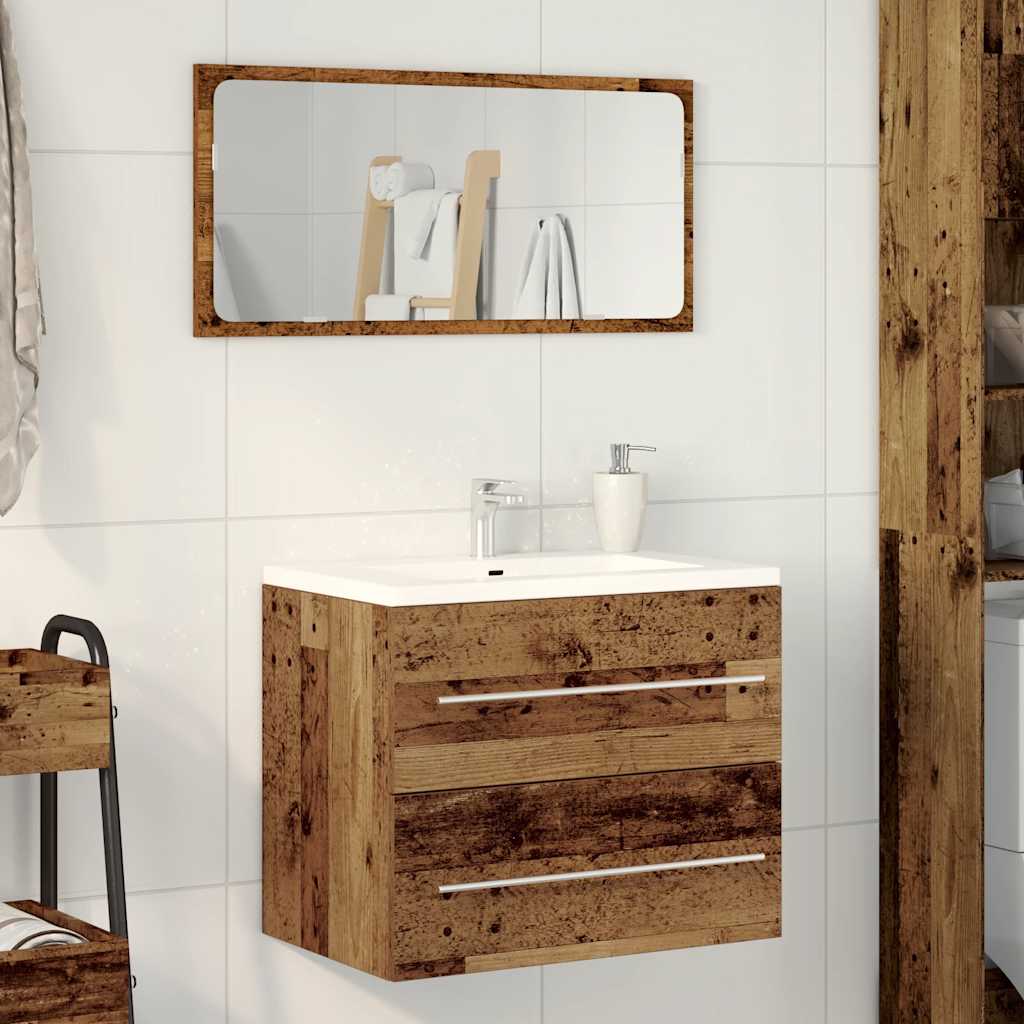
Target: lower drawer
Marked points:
518	875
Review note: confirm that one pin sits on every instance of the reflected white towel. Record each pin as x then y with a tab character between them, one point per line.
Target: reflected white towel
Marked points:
419	234
387	307
431	274
399	179
547	283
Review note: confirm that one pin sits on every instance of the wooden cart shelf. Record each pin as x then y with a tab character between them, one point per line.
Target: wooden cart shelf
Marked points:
1005	392
54	713
56	716
1004	570
81	984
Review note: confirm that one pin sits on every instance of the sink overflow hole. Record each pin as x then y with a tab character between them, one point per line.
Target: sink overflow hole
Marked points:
495	572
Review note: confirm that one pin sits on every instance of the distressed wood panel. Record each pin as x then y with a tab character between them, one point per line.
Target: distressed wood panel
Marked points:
54	713
475	827
362	807
1002	571
1003	1004
206	322
616	752
935	149
327	816
1003	136
621	947
282	765
1004	437
511	638
1004	262
931	791
84	984
433	930
421	721
1004	26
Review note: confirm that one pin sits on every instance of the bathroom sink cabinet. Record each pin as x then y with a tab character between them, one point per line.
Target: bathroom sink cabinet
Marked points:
457	788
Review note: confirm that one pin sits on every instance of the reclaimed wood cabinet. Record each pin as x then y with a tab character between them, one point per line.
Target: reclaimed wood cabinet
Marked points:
459	788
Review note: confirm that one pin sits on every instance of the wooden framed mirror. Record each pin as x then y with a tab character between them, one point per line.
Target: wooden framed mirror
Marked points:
337	201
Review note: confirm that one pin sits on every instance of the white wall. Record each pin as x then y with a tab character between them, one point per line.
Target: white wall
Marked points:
172	469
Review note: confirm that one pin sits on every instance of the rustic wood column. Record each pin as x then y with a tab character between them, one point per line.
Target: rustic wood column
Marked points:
932	572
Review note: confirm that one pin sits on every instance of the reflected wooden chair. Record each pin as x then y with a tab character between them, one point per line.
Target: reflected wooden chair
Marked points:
482	166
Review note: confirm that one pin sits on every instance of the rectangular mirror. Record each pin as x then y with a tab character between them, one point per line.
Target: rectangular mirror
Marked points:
383	202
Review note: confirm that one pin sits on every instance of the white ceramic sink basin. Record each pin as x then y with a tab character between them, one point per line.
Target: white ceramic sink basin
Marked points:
454	580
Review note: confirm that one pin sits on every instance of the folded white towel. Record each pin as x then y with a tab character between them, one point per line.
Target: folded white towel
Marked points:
432	273
419	234
19	930
388	307
399	179
547	283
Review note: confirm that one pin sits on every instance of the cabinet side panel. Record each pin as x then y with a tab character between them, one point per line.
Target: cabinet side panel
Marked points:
361	804
282	768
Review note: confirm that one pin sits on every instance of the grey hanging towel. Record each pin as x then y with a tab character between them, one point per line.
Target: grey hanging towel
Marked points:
21	318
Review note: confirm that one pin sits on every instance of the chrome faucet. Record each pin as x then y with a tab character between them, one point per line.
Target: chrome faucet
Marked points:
486	498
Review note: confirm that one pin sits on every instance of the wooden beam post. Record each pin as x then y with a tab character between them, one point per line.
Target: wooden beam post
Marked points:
931	377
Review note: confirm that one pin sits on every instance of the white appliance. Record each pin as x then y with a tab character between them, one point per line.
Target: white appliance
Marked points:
1004	786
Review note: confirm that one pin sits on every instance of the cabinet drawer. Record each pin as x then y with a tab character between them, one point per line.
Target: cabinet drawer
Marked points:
509	876
442	643
466	733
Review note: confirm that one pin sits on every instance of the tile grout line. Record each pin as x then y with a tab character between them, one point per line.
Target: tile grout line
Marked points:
227	700
63	151
540	374
438	511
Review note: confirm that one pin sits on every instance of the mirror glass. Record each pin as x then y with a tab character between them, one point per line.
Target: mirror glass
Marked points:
344	201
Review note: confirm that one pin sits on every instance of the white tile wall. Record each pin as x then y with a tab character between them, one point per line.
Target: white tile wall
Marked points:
852	659
174	468
178	942
270	982
758	68
853	924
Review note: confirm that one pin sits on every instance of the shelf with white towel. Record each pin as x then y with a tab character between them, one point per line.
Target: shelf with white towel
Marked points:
78	981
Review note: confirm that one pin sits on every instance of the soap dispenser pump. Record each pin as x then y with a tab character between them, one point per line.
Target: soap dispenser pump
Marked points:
620	500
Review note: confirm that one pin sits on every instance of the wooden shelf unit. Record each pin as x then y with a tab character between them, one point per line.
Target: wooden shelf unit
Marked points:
1003	570
83	984
952	241
55	716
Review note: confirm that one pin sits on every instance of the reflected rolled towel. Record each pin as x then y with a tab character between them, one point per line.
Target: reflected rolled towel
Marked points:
378	181
19	930
399	179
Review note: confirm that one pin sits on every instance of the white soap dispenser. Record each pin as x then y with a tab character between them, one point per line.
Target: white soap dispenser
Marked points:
620	500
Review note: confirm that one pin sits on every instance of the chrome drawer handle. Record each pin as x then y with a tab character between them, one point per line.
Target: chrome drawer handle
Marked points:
572	876
582	691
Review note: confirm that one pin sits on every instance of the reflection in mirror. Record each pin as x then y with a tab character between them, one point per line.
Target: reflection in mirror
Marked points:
345	201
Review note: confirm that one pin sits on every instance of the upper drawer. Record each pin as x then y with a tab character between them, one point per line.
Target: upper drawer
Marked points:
455	735
519	638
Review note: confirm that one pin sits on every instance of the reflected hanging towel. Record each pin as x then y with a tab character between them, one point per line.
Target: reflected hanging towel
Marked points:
547	282
21	316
